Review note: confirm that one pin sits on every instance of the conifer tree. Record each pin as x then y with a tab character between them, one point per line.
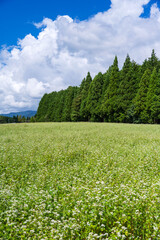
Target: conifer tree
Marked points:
79	111
152	61
58	106
129	95
43	108
52	106
84	95
127	89
75	109
106	77
94	96
111	101
70	95
141	98
153	98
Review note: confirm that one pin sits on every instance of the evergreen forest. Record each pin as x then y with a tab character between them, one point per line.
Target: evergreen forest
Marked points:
129	95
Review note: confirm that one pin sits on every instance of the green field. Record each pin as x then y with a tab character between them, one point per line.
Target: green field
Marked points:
79	181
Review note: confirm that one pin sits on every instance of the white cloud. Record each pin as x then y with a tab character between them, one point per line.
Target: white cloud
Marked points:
34	88
10	101
65	50
155	12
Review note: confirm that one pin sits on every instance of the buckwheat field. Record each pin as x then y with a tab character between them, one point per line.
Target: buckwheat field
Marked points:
79	181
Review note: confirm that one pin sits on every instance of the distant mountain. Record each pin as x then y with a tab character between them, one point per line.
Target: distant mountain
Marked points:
25	114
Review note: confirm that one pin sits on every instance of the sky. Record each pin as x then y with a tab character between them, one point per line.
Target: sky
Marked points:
49	45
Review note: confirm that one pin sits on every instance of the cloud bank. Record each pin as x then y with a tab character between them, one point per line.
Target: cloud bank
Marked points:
66	49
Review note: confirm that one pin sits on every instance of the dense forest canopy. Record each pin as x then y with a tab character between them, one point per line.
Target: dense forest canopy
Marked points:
129	95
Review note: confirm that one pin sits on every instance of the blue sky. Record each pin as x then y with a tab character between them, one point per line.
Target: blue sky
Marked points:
68	39
147	8
17	16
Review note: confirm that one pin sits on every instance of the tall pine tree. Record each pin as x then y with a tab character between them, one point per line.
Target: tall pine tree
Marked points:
70	95
140	100
153	98
111	99
127	89
84	114
94	97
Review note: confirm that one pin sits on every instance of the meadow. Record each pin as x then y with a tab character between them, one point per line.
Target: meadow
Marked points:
79	181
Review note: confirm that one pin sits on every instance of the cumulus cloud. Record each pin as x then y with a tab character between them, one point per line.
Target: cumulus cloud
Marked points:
66	49
34	88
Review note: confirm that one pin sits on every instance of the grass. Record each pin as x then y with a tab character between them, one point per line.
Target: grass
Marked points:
79	181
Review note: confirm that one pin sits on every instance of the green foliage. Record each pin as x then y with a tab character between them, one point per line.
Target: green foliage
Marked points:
4	119
153	61
56	106
84	113
94	98
32	119
127	89
43	107
70	95
79	181
141	98
111	98
130	95
75	110
153	97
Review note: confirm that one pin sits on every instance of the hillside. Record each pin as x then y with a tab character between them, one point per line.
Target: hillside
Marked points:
26	114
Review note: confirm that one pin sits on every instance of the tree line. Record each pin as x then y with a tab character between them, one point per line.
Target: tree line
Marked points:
129	95
16	119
